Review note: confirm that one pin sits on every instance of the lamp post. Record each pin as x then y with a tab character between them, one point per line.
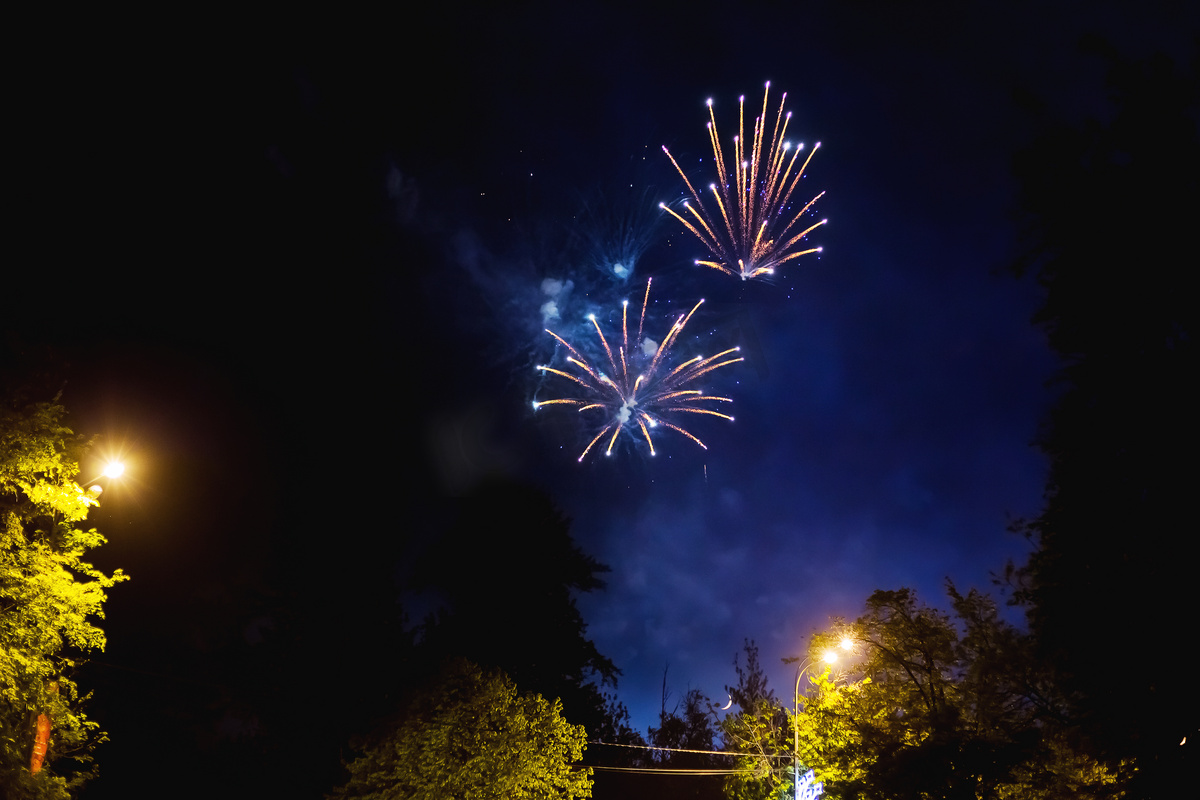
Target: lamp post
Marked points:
828	657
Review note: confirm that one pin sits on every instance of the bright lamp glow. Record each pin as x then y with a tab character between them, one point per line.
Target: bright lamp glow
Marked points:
114	469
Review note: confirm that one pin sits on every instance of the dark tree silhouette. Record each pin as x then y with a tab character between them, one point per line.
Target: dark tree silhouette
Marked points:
688	725
1109	211
760	729
505	572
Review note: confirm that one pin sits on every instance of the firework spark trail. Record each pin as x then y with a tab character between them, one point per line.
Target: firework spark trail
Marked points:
752	232
638	403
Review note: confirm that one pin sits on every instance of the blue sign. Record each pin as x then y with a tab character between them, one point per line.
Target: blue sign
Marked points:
807	787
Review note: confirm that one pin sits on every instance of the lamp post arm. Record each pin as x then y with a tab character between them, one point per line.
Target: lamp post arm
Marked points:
804	666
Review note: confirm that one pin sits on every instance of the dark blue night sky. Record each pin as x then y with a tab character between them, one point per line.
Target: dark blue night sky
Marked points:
310	262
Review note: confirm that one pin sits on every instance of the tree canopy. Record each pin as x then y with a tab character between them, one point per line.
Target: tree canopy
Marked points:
1108	208
50	597
941	705
505	574
682	746
759	731
469	734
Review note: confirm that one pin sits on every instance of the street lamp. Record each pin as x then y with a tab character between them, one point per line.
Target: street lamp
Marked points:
113	469
830	656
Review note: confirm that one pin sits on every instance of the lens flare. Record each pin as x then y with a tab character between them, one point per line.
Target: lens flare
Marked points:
754	231
641	394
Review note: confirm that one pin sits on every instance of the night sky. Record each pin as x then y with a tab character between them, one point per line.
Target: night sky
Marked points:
293	272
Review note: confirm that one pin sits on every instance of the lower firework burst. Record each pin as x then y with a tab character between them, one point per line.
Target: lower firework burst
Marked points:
642	393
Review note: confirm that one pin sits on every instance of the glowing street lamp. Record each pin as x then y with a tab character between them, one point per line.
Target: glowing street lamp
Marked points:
113	469
828	657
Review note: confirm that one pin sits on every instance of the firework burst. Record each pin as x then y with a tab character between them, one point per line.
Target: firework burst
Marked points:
754	230
642	392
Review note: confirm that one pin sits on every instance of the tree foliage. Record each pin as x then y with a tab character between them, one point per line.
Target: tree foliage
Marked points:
686	734
1108	207
471	735
687	726
505	575
617	730
759	731
940	705
49	598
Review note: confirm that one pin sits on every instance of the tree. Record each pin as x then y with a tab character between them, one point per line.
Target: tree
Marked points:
628	755
616	730
1109	206
692	730
760	731
506	573
470	734
49	597
686	733
942	706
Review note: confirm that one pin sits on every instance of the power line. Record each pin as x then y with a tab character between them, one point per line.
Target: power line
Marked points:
652	770
668	749
681	750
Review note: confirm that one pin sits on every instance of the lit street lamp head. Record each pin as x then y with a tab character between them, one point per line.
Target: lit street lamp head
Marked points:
114	469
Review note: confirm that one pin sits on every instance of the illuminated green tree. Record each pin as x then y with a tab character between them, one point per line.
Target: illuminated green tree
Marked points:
941	706
49	599
470	734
